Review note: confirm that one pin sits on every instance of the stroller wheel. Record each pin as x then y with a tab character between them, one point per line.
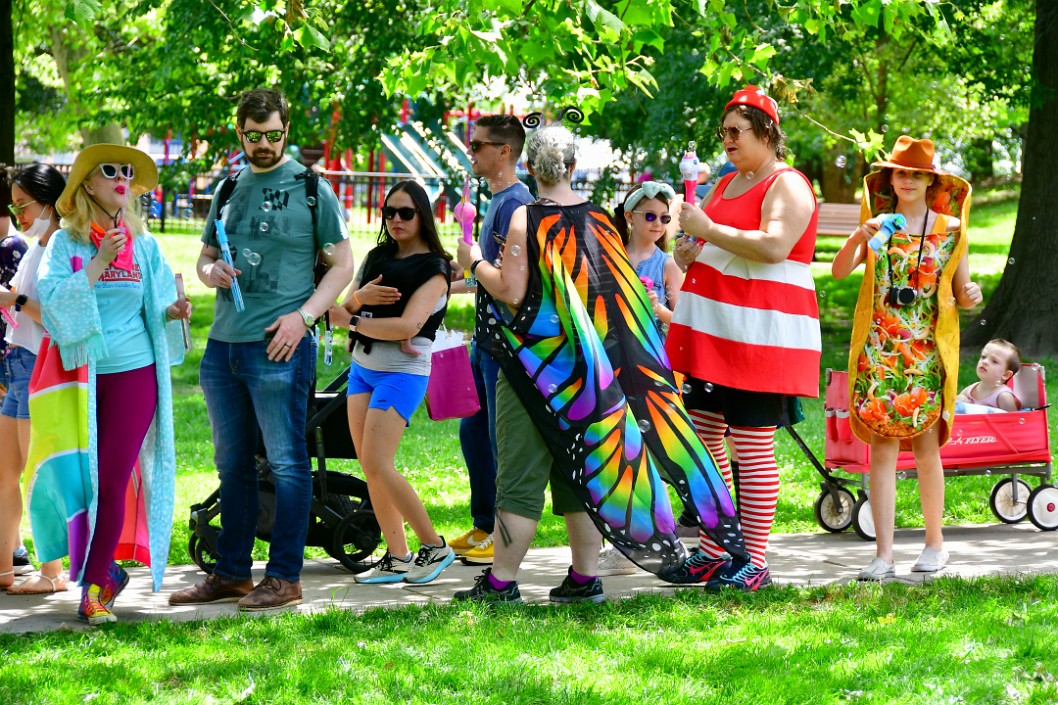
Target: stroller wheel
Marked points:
355	538
202	554
1043	508
833	516
863	520
1003	503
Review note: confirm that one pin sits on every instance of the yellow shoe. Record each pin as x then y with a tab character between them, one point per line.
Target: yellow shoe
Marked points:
467	541
480	554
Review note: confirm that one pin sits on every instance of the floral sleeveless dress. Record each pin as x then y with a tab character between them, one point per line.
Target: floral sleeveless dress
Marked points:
899	374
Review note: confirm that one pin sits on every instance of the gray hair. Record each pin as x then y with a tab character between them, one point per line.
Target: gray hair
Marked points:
550	151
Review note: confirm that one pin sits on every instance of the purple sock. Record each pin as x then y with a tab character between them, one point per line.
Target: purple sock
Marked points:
580	579
498	584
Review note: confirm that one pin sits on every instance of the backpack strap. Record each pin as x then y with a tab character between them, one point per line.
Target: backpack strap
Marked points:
223	194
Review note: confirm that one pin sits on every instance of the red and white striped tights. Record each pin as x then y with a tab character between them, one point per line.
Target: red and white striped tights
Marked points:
758	479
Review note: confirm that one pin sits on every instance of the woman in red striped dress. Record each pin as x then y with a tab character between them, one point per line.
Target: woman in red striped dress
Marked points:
746	328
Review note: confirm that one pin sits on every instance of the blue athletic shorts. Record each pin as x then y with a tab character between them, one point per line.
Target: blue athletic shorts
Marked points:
398	390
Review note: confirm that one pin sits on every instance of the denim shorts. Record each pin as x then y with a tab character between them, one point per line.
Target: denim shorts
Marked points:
18	368
400	391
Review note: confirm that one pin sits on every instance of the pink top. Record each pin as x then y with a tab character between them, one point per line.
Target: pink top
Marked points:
992	399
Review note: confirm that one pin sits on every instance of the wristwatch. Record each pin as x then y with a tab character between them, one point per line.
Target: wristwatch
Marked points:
307	317
354	322
474	265
20	301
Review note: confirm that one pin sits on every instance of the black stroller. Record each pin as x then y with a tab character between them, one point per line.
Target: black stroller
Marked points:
341	520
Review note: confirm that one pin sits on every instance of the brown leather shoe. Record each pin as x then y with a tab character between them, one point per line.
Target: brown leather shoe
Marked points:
214	588
271	594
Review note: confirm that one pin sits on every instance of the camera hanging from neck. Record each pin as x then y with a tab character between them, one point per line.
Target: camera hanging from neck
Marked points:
918	264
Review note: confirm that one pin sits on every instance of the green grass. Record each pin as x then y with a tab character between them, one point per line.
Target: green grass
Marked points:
949	641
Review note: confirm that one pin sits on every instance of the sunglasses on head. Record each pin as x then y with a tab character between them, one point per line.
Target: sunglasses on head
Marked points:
18	210
475	145
651	217
254	136
111	171
389	213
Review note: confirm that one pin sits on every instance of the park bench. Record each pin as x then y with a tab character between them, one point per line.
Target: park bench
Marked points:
837	219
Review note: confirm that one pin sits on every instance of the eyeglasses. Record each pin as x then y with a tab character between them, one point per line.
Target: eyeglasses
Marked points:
111	171
734	133
475	145
254	136
18	210
389	213
651	217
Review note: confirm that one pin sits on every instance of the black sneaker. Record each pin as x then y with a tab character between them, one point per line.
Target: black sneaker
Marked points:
572	591
484	592
20	562
741	576
698	568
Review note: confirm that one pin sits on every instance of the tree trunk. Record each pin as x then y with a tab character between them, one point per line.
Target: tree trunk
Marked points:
7	85
1024	307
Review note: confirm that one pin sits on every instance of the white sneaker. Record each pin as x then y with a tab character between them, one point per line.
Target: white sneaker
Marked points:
930	561
430	562
877	570
613	562
388	570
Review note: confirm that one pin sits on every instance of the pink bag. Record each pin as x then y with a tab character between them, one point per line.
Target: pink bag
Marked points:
451	392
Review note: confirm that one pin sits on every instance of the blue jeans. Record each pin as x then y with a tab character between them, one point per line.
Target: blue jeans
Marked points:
477	438
18	366
248	397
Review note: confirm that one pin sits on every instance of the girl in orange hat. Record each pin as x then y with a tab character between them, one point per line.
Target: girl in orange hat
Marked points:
904	355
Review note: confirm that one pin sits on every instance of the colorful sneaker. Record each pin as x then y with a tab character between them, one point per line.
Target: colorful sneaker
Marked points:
430	562
741	576
92	609
471	539
484	592
20	563
481	554
388	570
117	580
613	562
572	591
698	568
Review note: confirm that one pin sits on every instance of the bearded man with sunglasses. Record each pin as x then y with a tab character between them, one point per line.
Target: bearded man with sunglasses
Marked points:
495	148
260	362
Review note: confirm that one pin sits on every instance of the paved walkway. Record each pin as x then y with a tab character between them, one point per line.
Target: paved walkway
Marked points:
796	559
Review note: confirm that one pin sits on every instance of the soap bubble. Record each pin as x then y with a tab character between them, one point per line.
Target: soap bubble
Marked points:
554	318
644	426
516	250
266	206
252	258
497	262
686	388
841	161
311	201
264	227
822	294
1010	261
551	389
708	387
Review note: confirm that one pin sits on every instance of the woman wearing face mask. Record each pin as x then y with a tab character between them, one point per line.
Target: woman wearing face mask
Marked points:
34	191
109	303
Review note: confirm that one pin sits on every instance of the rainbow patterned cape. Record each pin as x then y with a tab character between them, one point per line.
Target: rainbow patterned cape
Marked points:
586	359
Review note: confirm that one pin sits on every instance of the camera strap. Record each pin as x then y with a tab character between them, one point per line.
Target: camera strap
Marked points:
918	265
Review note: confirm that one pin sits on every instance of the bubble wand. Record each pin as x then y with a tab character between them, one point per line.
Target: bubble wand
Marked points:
464	214
225	252
689	168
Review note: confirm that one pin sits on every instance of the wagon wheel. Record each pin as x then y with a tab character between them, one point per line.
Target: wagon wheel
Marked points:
833	516
862	519
1004	506
1043	507
202	554
355	538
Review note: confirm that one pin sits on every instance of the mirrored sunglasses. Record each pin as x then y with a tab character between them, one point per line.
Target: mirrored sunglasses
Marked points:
18	210
254	136
475	145
389	213
651	217
111	171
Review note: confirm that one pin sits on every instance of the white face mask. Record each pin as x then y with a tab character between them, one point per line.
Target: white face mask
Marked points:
40	225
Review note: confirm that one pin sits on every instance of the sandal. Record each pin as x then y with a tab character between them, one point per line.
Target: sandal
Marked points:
4	588
36	585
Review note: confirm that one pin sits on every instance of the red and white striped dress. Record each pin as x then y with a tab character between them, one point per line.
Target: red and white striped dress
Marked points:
749	325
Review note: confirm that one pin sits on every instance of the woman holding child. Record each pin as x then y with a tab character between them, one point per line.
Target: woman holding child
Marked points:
904	355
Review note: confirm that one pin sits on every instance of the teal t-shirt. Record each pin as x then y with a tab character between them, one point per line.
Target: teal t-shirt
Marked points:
269	228
119	298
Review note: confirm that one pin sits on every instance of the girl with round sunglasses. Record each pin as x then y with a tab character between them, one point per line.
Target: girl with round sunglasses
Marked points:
642	221
394	307
34	191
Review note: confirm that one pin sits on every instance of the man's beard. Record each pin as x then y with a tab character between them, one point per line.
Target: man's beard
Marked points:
264	160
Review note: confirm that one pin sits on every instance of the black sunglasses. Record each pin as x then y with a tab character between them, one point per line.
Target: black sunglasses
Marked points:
254	136
389	213
651	217
110	171
475	145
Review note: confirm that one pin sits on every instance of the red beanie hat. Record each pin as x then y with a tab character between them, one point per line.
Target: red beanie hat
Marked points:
756	98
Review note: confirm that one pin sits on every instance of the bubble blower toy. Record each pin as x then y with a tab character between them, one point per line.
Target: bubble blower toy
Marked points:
464	213
689	168
225	252
9	318
647	282
891	222
185	325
